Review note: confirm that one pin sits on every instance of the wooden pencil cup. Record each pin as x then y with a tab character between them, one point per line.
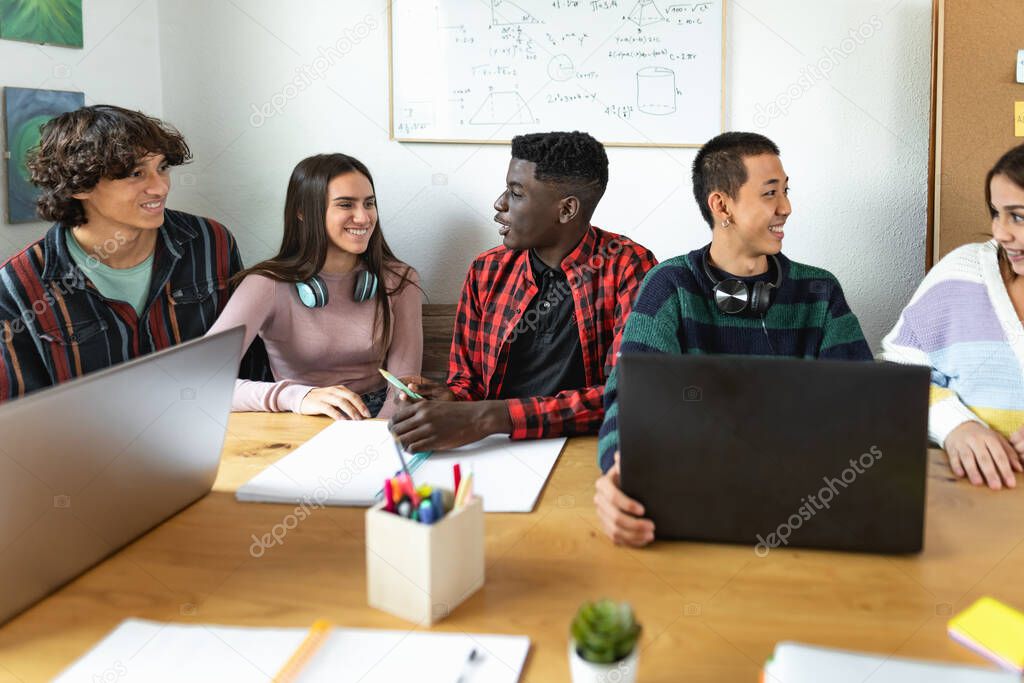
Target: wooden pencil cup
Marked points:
422	572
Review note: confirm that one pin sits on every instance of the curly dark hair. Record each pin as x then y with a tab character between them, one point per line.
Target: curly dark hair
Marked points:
81	147
718	166
575	160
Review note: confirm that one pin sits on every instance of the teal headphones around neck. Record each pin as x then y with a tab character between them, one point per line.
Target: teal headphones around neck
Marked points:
313	292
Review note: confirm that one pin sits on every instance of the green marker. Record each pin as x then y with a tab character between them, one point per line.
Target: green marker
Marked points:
398	384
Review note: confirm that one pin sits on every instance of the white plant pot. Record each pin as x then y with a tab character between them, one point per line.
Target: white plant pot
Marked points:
622	671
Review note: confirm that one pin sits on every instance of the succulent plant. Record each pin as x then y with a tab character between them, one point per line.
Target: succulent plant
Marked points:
605	631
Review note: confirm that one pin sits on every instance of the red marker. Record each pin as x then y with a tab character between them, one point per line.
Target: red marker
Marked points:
410	489
457	472
389	503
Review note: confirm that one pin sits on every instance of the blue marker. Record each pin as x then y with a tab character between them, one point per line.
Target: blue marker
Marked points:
427	515
437	500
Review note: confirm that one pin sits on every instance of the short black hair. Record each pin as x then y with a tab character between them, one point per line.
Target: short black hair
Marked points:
719	167
575	160
82	147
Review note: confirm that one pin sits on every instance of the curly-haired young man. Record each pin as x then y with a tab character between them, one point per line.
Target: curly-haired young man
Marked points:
539	321
118	275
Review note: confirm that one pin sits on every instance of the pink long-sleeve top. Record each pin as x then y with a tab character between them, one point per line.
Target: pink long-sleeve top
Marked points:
310	348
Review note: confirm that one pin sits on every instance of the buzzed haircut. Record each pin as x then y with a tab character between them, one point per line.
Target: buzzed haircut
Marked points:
574	160
719	166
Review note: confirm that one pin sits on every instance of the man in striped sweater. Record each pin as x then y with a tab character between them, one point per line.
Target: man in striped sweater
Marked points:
118	275
695	303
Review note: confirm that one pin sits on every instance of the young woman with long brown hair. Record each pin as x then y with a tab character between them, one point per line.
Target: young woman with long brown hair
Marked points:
965	322
333	306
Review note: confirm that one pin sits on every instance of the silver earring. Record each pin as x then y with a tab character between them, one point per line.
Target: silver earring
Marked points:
725	223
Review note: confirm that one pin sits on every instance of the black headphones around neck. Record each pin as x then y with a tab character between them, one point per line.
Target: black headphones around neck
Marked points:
313	292
733	296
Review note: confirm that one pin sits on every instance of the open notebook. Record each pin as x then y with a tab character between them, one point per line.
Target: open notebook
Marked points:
152	652
347	463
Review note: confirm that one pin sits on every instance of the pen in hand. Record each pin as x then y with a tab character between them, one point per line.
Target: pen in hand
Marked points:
399	384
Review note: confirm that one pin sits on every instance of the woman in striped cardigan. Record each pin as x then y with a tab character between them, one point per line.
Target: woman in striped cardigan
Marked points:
964	322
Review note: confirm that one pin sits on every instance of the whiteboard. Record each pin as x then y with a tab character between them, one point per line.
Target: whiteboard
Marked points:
629	72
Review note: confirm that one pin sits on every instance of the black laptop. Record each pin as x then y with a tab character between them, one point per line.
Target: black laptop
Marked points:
776	452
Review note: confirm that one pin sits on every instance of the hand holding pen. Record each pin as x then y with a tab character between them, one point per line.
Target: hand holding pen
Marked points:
436	421
426	389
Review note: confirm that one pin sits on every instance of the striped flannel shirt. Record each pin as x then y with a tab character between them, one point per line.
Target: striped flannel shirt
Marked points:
604	273
55	325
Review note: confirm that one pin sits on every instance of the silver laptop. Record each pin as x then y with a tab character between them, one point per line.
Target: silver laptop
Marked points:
89	465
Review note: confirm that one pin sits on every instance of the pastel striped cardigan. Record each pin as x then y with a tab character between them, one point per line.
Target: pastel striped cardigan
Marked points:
961	323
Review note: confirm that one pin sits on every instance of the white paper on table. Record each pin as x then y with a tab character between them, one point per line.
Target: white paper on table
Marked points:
344	464
151	652
797	663
347	463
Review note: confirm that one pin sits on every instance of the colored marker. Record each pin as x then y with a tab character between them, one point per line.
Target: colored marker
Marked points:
427	515
448	500
457	474
409	489
399	384
465	493
437	500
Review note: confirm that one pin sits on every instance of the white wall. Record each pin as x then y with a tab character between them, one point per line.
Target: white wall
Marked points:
854	140
118	64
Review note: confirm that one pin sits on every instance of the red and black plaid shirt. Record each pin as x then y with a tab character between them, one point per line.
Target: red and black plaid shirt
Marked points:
604	273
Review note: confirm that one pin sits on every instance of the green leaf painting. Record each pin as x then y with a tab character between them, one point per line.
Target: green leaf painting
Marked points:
25	111
57	22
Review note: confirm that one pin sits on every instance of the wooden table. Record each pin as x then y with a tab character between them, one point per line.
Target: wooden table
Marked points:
710	612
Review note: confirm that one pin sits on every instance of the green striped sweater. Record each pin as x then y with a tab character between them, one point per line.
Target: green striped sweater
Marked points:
675	313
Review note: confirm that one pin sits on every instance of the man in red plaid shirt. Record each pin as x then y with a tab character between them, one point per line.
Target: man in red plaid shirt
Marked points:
540	317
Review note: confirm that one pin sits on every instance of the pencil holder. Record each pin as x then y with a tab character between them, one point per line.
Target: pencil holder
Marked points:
422	572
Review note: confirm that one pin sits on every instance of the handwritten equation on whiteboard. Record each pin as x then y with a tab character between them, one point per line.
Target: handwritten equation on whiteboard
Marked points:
627	71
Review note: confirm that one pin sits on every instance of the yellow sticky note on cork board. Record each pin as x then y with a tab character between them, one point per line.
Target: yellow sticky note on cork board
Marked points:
1018	118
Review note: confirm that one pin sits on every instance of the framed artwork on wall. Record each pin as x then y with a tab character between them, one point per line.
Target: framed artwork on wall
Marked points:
25	112
53	22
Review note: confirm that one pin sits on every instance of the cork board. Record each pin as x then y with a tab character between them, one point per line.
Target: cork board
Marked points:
975	91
